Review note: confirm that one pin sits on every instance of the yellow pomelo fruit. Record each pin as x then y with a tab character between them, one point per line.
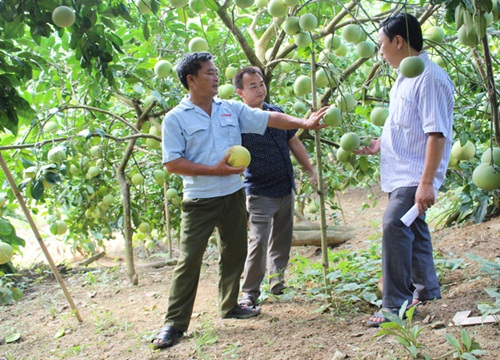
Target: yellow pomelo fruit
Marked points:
198	44
163	68
137	179
302	85
239	156
379	115
411	66
6	253
465	152
63	16
277	8
486	177
349	141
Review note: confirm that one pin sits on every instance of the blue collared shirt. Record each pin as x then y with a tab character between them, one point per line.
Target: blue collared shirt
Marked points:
189	132
270	172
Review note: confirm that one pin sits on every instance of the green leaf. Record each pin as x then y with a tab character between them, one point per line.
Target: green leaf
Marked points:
12	338
60	333
452	340
466	339
5	227
37	190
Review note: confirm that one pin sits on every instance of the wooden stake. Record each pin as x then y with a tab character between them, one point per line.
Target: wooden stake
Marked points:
26	211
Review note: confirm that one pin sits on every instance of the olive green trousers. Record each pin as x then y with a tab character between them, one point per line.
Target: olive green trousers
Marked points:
199	219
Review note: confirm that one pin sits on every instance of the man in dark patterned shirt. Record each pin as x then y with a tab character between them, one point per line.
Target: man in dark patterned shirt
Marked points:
270	188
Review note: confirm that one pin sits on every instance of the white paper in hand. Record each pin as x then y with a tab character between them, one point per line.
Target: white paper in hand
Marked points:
410	216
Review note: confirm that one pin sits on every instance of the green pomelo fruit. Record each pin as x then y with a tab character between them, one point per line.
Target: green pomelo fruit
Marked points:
137	179
163	68
95	150
302	39
291	25
365	49
302	85
343	156
144	227
54	228
61	227
465	152
350	141
108	200
333	116
486	157
299	107
230	72
179	3
435	33
351	33
277	8
486	177
346	102
332	42
313	207
63	16
152	144
226	91
30	172
341	50
244	3
467	38
453	163
239	156
172	194
198	44
160	176
291	2
379	115
56	155
261	4
106	231
51	126
198	7
308	22
411	66
6	253
322	80
93	171
144	6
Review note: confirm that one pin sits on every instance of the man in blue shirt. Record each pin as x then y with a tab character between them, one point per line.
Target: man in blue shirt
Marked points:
270	186
196	135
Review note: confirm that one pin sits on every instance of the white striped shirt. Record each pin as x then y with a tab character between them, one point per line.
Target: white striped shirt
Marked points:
418	106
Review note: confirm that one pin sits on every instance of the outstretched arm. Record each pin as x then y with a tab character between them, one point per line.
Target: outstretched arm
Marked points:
288	122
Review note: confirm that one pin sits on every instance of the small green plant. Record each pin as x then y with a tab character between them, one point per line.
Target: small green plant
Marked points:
405	332
464	346
206	335
493	269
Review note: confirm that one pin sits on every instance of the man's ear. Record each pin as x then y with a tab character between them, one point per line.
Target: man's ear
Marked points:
240	93
399	41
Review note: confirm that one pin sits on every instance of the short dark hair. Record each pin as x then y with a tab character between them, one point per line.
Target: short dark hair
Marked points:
405	25
238	78
190	64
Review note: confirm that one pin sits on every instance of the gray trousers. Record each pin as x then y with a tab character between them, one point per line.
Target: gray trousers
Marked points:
199	219
407	262
269	242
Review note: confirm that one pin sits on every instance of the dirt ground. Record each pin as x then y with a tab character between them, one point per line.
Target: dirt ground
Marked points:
120	319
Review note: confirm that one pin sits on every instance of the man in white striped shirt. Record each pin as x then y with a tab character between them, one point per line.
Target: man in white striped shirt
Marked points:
414	153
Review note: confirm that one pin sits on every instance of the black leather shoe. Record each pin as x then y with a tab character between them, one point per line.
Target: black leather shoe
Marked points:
166	337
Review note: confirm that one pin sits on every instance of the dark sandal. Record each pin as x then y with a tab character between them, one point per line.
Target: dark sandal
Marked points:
247	301
167	336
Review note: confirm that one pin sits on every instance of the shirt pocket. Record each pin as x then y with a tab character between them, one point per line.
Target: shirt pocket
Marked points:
230	130
406	112
197	136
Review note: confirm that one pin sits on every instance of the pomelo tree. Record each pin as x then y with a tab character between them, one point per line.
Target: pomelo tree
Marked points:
90	88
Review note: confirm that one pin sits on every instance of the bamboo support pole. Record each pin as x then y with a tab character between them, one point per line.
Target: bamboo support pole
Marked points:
26	211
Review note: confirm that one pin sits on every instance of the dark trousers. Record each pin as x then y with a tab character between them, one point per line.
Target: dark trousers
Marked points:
199	219
407	262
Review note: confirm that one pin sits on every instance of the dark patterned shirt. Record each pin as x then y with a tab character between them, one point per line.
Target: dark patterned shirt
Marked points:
270	172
